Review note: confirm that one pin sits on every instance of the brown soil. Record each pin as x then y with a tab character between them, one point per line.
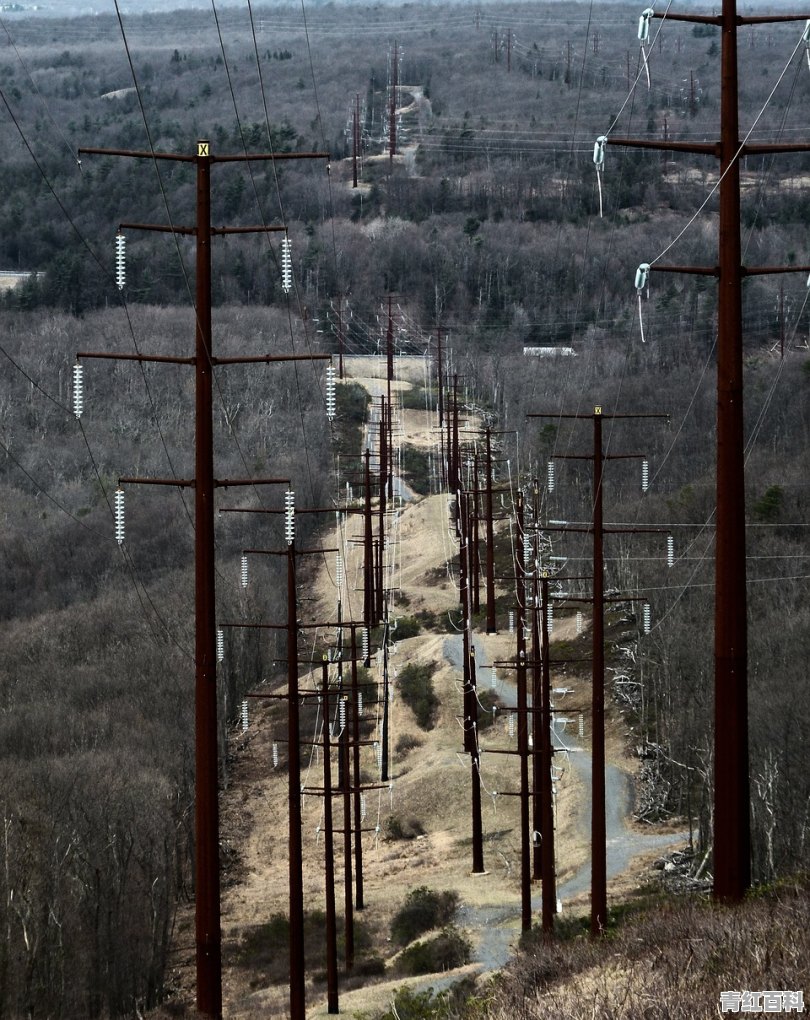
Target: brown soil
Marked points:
431	781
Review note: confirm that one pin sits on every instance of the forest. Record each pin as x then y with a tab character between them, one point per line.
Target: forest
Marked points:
487	225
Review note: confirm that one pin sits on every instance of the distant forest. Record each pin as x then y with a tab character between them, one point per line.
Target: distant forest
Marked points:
487	225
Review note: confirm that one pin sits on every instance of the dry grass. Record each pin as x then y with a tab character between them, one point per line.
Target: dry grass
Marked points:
430	793
669	962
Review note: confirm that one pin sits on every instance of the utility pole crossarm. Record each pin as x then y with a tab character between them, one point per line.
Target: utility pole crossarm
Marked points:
252	359
598	413
716	19
160	358
173	228
177	157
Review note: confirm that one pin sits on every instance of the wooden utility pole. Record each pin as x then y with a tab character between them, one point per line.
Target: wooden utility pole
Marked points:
329	852
208	933
392	111
599	913
356	142
546	752
523	717
732	822
492	626
470	688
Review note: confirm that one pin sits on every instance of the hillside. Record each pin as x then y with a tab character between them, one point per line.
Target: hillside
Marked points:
488	232
421	839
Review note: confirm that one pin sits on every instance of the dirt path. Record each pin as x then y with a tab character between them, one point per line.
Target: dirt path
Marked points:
431	778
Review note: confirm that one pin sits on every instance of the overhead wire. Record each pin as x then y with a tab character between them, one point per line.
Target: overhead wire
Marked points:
33	382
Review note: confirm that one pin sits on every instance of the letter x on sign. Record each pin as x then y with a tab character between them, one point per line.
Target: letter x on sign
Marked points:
202	149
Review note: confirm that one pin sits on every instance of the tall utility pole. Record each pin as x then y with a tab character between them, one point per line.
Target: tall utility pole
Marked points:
492	626
546	751
356	137
523	715
329	851
392	109
340	337
292	698
469	685
599	914
732	822
207	887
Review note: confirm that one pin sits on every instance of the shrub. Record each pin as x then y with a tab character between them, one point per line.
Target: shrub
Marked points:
407	626
449	949
403	828
423	910
416	468
407	742
415	684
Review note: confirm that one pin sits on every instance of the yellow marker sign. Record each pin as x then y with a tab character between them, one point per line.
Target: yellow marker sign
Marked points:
597	409
202	148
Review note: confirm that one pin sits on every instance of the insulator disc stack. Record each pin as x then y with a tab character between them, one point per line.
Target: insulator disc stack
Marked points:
245	719
493	678
647	617
340	575
289	516
670	551
286	265
244	571
118	512
645	475
78	389
579	622
551	480
220	644
120	260
275	755
331	400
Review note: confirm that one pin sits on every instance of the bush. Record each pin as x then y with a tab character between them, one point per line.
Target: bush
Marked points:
407	742
415	684
416	468
449	949
423	910
403	828
407	626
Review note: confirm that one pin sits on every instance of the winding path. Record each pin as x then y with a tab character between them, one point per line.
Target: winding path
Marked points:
497	928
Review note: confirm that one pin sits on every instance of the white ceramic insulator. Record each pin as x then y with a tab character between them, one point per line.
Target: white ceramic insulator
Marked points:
78	389
289	516
120	260
118	507
330	393
286	265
